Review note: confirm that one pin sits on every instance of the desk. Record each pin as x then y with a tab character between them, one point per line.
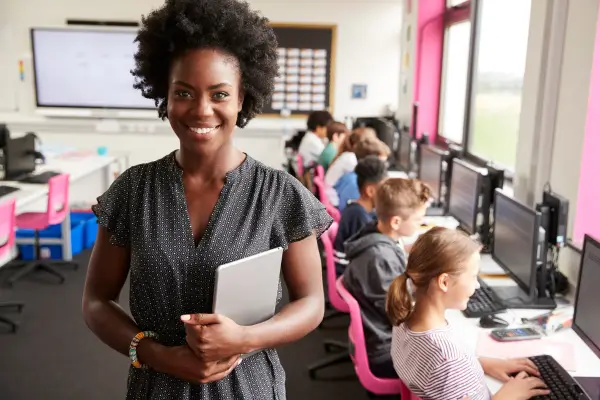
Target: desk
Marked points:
587	362
29	194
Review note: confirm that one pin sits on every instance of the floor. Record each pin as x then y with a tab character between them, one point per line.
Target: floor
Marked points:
55	356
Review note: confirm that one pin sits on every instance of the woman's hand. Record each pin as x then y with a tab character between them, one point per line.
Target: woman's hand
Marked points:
503	369
182	363
522	387
214	337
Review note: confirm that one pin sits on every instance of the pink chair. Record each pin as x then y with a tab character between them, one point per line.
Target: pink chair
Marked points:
320	172
334	212
299	166
56	212
7	242
356	335
406	394
338	308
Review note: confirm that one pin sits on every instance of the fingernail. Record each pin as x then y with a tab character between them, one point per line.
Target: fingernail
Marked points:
185	317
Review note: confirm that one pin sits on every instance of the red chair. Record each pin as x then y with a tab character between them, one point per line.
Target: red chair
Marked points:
56	212
7	243
334	212
338	308
356	335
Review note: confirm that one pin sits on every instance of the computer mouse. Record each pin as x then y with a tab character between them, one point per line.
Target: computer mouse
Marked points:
492	321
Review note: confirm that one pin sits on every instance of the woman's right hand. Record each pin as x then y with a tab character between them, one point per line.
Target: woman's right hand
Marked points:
522	387
182	363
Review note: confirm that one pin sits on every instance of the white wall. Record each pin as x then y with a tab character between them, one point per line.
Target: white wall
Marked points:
368	41
408	46
555	138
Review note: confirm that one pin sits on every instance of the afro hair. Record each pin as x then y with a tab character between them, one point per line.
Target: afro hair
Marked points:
228	25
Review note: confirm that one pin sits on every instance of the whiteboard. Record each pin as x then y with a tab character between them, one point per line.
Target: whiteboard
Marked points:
85	68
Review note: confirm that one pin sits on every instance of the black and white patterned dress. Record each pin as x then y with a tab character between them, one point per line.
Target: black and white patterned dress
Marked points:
259	208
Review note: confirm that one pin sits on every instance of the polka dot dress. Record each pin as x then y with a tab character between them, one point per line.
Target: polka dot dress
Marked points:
145	209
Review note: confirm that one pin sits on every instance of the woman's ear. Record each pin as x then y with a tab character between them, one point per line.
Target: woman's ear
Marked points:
240	100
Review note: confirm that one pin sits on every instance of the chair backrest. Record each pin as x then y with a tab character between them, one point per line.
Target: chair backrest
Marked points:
405	393
334	212
334	297
299	165
7	226
320	172
58	198
359	357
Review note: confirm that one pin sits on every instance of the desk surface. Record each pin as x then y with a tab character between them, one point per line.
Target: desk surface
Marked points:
586	361
77	168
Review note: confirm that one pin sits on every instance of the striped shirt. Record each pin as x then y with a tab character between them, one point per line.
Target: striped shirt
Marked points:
436	365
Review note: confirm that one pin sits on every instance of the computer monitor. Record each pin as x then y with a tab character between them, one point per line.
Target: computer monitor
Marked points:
430	169
585	318
518	245
19	157
404	150
465	188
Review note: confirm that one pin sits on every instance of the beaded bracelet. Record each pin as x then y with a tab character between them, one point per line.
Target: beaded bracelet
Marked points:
133	347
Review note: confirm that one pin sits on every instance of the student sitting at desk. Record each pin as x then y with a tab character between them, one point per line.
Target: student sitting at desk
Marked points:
428	356
346	162
336	135
313	141
377	257
370	172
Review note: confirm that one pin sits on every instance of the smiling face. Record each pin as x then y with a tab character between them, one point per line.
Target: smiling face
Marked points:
204	99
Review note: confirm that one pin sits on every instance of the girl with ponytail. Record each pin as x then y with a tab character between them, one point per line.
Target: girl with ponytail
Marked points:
428	356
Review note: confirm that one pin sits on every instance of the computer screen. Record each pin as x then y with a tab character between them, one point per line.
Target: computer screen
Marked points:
19	158
404	156
585	319
430	169
465	187
516	232
87	68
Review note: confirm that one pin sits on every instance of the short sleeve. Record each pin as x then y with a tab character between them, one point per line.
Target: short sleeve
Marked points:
299	214
112	210
455	380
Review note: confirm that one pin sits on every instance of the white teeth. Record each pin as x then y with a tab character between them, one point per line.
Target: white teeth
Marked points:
203	131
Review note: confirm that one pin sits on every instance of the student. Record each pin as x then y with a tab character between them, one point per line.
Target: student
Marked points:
376	257
370	172
443	268
347	161
313	142
336	135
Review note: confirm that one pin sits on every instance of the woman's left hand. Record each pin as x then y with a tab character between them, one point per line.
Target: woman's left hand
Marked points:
214	337
503	369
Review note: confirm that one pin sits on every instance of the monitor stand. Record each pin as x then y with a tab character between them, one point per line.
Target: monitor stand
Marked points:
515	297
590	385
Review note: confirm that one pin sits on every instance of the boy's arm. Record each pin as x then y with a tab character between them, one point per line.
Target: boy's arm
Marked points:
380	277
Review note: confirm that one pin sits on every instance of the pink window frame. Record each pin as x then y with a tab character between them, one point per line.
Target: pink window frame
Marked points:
587	212
432	20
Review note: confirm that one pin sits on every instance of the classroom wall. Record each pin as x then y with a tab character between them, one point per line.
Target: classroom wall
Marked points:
368	43
559	62
408	47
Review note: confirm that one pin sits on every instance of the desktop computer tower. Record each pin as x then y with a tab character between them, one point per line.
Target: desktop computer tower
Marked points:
559	215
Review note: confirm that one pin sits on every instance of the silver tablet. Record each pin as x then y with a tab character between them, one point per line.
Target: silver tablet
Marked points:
246	289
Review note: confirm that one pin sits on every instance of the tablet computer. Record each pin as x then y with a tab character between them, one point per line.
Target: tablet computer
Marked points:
246	289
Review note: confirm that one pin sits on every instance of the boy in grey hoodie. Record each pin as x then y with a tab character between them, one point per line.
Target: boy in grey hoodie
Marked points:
377	256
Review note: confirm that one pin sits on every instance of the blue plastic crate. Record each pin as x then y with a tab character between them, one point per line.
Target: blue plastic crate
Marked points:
77	232
90	229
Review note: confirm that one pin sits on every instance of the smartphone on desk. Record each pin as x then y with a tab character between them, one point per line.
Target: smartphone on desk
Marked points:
515	334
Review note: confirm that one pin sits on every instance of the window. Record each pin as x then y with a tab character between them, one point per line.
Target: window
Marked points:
498	80
454	81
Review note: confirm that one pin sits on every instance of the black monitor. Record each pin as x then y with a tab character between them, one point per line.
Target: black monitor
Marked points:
465	188
518	246
431	169
404	150
19	157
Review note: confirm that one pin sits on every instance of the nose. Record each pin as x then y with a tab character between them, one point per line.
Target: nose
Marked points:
203	107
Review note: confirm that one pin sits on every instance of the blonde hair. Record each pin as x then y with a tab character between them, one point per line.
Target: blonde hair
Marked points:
369	146
365	131
399	196
437	251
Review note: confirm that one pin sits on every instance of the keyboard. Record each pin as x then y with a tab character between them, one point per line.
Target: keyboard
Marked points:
483	302
4	190
41	178
561	385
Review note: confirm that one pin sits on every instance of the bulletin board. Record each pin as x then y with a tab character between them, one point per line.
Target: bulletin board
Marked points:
306	59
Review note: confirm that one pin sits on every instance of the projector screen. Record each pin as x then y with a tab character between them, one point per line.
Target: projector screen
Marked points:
85	68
